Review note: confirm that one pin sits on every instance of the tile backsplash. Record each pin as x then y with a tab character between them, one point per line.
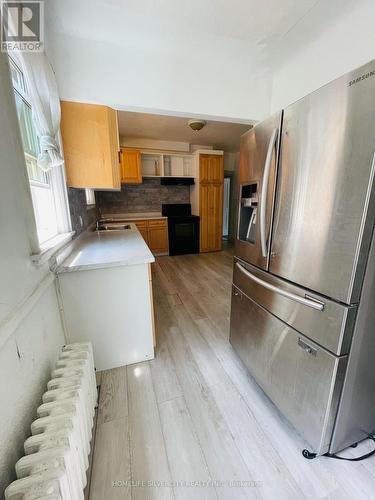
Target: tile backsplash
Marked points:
78	208
145	197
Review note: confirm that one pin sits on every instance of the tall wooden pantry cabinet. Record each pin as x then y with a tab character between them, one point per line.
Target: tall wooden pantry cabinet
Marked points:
207	199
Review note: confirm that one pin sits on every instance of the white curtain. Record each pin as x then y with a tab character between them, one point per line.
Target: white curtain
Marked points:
42	88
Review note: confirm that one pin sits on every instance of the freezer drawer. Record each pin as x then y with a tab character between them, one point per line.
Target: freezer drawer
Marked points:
329	324
301	378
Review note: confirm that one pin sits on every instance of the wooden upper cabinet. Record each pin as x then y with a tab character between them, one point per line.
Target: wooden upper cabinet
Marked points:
131	166
211	169
91	145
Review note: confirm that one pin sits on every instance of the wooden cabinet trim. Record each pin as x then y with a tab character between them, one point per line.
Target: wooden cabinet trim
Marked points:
157	223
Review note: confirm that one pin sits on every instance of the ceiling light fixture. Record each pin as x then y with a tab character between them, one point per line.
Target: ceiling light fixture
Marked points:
196	125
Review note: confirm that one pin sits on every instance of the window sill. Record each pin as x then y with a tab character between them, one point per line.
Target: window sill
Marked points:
50	247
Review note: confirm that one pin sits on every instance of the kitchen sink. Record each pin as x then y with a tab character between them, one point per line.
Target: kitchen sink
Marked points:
112	227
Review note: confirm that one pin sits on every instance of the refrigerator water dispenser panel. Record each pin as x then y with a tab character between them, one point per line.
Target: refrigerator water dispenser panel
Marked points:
248	213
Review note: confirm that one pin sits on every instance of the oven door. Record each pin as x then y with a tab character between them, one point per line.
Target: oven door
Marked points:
183	235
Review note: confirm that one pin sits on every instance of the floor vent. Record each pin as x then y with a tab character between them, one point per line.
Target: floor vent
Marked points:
56	455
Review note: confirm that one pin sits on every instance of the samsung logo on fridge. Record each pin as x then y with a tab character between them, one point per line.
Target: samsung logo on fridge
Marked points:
360	78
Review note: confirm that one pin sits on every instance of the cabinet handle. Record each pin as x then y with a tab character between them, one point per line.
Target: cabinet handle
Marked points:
263	199
306	347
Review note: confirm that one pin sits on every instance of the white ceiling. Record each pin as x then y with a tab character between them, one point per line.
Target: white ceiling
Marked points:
201	57
254	25
258	25
220	135
254	21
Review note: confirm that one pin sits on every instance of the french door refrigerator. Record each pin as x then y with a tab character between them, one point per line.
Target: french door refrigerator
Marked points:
303	297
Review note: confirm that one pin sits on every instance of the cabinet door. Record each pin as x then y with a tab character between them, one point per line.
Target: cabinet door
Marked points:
142	228
215	203
204	217
204	163
211	217
211	168
90	140
158	238
216	169
131	166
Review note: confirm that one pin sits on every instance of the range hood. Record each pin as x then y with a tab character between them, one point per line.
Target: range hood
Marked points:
177	181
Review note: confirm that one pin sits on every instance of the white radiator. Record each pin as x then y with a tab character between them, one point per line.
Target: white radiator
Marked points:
56	455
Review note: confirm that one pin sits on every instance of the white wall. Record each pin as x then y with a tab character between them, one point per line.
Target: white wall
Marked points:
216	83
26	362
17	225
346	44
143	143
101	56
161	145
29	346
230	161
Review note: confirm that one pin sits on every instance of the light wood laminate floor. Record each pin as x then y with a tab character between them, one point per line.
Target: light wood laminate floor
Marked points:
192	424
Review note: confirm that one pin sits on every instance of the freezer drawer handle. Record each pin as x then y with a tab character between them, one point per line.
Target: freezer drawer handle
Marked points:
306	347
263	199
309	302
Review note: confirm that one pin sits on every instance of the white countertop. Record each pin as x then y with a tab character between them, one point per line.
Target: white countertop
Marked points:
100	249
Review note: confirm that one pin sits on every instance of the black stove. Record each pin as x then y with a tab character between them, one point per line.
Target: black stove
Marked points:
183	228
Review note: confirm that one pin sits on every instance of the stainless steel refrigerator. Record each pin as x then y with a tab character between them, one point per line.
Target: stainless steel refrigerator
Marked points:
303	297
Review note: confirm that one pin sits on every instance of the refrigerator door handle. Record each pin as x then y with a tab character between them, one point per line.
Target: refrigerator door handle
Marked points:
263	199
309	302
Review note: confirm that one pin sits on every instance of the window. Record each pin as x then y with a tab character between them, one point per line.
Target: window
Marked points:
48	189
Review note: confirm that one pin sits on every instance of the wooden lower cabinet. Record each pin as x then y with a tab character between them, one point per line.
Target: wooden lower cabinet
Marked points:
155	234
142	228
158	237
211	217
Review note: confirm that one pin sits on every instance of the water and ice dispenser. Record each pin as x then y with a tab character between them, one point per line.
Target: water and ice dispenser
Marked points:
248	213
